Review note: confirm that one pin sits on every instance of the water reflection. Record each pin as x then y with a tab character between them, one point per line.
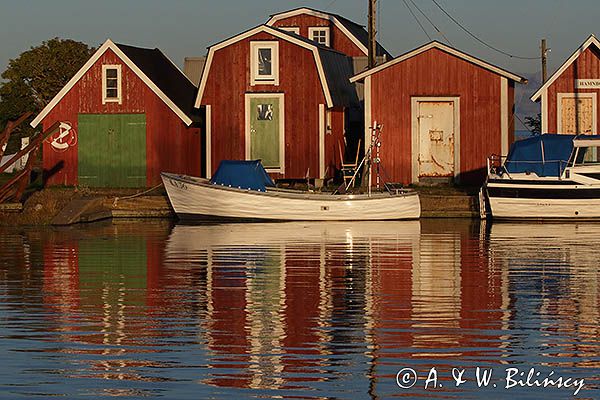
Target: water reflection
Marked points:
295	309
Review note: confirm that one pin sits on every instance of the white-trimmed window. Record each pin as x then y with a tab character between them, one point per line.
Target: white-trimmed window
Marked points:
264	63
111	84
293	29
319	34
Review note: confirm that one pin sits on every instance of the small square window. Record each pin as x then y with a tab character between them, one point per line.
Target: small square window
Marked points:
265	112
264	63
319	35
111	84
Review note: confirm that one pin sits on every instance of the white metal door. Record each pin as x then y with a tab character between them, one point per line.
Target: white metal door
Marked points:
436	138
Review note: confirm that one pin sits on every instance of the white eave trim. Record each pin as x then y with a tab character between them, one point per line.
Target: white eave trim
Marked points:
591	40
446	49
329	17
272	31
109	44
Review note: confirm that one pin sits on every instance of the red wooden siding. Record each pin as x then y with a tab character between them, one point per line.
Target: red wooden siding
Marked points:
435	73
337	39
229	81
170	144
586	66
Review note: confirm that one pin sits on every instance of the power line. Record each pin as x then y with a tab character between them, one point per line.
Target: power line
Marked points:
416	19
480	40
430	21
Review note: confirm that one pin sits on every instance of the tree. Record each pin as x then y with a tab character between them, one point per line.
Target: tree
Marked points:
33	78
534	124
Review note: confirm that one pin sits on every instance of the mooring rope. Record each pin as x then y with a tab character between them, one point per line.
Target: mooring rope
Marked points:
136	195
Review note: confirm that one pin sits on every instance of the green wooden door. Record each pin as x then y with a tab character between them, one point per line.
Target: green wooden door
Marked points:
112	150
265	139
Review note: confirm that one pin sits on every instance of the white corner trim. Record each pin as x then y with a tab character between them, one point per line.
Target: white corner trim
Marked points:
544	110
504	113
95	57
272	31
321	15
590	40
208	146
322	122
368	113
446	49
415	139
247	136
580	95
119	97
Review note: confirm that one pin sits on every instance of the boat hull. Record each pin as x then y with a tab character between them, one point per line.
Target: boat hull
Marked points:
198	198
543	200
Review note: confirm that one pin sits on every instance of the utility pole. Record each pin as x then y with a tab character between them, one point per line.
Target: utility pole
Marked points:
372	33
544	54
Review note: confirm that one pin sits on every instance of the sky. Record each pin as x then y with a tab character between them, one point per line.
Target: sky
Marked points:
183	28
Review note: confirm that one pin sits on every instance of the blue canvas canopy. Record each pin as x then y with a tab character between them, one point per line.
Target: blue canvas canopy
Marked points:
544	155
242	174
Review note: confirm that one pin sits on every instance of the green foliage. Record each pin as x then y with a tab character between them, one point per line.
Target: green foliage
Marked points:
534	124
35	77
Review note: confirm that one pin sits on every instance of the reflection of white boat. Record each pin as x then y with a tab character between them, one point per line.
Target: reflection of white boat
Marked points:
186	238
246	192
547	176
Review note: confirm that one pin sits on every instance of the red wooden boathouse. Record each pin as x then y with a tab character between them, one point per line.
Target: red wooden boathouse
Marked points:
443	113
125	116
272	95
569	98
331	30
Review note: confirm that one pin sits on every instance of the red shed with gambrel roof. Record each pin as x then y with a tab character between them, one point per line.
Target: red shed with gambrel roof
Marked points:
443	113
125	116
331	30
570	97
272	95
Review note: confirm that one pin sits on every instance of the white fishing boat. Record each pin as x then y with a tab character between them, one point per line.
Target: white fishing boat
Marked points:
220	199
546	177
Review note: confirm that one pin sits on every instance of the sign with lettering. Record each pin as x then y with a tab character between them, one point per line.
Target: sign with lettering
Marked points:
587	83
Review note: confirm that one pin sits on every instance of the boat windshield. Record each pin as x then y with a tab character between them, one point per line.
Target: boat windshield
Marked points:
587	156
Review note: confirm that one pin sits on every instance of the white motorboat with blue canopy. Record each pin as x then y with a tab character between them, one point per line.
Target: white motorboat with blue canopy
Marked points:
548	176
242	190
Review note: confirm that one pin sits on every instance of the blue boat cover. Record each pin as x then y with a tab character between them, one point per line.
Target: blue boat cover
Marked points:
242	174
545	155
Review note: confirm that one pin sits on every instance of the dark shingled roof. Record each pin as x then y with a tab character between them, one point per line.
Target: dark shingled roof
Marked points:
338	71
169	79
358	30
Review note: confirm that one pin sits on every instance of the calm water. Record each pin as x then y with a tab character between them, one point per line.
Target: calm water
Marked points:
299	310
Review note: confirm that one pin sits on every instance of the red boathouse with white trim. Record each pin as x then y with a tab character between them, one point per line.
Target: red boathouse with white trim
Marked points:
443	113
125	116
569	98
273	95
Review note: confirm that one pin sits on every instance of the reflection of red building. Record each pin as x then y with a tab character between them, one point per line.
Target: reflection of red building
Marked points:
435	294
100	283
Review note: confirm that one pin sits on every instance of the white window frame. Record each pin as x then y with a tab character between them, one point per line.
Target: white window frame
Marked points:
119	97
293	29
327	31
578	95
256	79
